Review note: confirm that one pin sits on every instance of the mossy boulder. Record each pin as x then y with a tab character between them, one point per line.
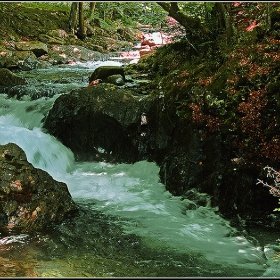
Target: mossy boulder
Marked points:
8	78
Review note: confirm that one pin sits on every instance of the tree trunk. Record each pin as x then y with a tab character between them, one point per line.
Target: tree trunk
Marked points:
73	17
91	10
191	25
268	16
224	10
81	34
222	13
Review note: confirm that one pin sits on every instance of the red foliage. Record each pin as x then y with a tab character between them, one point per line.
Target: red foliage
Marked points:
251	123
256	140
253	143
205	81
271	149
213	123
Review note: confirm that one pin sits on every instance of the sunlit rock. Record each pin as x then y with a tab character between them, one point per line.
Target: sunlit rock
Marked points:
16	59
38	48
60	54
55	36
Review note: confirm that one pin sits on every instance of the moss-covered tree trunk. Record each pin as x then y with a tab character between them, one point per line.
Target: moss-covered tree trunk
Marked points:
73	17
268	16
91	10
224	13
82	33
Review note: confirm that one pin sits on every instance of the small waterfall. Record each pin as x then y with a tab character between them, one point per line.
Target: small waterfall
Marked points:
24	113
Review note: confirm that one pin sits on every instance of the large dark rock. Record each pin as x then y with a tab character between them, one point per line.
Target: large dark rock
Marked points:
30	198
209	166
103	122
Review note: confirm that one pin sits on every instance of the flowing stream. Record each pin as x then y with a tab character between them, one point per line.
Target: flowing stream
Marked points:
129	225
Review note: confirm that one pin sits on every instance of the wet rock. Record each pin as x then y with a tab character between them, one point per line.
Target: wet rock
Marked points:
95	47
201	199
30	198
208	167
103	72
8	78
17	59
30	91
115	80
103	122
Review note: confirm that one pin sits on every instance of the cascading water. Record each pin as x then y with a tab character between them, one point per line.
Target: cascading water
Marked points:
131	225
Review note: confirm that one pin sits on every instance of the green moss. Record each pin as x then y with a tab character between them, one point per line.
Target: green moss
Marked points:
274	88
217	87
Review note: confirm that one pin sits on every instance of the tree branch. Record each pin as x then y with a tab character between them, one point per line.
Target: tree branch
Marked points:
189	23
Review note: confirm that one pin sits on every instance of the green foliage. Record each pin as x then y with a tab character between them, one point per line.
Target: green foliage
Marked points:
111	15
152	14
129	13
277	209
51	6
197	9
3	6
